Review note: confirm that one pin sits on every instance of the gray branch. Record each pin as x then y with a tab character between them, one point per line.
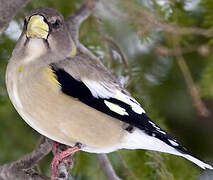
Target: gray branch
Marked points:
63	173
107	167
74	21
22	169
8	10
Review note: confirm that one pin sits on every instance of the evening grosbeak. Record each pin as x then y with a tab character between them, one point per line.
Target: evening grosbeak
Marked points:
72	99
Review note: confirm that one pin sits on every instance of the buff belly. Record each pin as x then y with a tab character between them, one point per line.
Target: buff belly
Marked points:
62	118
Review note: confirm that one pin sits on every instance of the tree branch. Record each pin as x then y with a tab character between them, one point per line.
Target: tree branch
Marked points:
147	20
124	60
22	169
199	105
8	10
126	167
74	21
107	167
123	57
63	173
203	50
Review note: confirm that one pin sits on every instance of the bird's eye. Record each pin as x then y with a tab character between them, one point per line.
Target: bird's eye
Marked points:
56	24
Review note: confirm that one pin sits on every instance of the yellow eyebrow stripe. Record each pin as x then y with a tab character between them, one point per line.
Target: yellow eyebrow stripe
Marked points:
51	76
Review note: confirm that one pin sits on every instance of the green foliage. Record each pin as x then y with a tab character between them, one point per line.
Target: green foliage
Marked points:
207	7
206	81
156	81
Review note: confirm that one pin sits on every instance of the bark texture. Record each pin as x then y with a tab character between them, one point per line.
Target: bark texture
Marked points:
8	9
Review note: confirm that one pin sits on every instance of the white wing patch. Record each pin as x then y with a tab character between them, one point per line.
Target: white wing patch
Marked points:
116	108
98	89
173	143
130	101
156	127
102	90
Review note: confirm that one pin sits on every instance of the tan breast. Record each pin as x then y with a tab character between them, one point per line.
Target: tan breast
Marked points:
45	108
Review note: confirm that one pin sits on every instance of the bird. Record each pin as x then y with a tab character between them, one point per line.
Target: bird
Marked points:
74	100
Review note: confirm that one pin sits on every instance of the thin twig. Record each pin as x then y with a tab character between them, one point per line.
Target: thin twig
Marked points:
203	50
126	167
192	88
123	59
107	167
74	21
84	11
200	107
147	20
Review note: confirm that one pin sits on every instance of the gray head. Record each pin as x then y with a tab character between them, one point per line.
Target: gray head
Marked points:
46	26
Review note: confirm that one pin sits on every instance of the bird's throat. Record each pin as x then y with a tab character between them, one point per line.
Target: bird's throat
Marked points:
35	48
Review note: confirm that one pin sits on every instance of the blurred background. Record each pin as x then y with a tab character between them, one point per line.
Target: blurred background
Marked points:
161	50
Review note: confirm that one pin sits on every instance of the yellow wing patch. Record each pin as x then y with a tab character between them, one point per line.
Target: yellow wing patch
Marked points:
20	69
51	76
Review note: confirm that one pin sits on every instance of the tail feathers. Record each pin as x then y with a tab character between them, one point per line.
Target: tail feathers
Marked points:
198	162
140	140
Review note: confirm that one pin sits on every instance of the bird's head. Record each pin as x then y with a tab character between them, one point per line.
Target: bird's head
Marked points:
44	22
45	28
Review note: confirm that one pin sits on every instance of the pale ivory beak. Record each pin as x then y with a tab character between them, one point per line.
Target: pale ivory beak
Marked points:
36	27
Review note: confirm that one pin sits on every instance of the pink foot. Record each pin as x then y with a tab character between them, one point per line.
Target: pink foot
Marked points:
54	147
61	157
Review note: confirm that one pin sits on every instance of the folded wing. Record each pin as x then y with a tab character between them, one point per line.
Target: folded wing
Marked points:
106	96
